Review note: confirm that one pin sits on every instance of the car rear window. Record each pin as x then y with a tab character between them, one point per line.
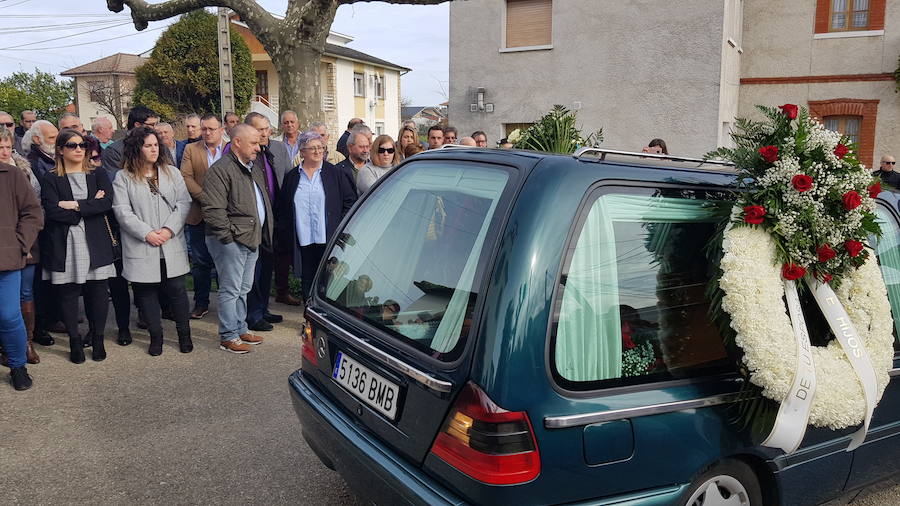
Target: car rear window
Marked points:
408	259
631	306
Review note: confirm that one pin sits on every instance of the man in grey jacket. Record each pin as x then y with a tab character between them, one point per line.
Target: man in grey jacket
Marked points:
237	210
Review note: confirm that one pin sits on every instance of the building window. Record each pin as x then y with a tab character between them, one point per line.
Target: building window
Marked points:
529	23
95	90
379	128
359	85
849	15
262	84
854	118
845	125
379	86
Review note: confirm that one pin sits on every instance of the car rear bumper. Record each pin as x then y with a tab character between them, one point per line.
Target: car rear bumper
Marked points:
374	472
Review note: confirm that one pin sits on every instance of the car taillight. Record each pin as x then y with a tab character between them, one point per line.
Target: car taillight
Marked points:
308	349
487	442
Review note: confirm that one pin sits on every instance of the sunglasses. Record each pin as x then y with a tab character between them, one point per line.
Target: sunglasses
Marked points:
96	158
8	125
889	163
389	151
73	145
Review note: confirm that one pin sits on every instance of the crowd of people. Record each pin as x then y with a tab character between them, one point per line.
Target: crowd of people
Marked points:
92	217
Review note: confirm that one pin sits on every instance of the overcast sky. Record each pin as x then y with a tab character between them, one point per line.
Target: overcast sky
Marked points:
409	35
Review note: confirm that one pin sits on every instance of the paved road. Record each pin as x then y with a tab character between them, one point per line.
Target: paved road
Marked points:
205	428
208	427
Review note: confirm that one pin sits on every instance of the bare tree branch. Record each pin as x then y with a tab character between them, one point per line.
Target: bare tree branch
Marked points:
407	2
252	13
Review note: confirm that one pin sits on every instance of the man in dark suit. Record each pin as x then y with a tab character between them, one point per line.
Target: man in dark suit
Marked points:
192	125
342	142
272	161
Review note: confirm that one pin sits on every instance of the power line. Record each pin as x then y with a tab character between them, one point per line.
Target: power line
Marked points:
57	15
84	43
67	36
53	28
13	5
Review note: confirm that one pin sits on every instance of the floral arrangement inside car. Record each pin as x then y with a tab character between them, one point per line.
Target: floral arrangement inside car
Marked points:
803	214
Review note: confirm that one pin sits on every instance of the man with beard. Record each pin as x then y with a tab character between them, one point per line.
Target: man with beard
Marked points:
40	144
358	144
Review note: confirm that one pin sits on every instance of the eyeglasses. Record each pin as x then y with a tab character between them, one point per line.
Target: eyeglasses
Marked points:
8	125
889	163
314	148
73	145
382	151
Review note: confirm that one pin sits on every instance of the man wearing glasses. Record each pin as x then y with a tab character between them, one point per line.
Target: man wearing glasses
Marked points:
887	173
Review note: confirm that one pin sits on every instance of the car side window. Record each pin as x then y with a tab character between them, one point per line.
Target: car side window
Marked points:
887	248
631	304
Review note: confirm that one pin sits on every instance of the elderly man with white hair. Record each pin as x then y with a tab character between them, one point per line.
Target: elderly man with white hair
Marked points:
102	130
39	145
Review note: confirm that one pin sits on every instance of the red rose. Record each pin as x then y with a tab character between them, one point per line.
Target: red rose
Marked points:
802	182
769	153
754	214
825	253
789	110
826	277
851	200
791	272
853	247
875	189
840	151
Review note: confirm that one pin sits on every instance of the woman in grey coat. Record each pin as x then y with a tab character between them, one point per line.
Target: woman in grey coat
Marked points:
151	203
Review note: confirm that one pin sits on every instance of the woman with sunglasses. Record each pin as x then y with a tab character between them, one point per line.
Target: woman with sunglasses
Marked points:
382	158
77	240
313	200
151	205
27	292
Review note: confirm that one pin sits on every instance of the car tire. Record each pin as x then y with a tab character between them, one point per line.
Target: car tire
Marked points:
728	482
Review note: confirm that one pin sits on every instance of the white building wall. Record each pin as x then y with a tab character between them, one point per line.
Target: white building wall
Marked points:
639	69
392	102
345	104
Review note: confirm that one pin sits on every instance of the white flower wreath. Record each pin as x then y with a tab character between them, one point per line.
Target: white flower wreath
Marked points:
753	286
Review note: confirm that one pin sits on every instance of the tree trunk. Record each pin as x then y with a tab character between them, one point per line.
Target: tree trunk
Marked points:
299	85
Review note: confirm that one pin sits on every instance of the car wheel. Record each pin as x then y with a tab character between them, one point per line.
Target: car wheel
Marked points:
727	483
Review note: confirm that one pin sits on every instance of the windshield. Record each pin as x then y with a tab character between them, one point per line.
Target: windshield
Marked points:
407	260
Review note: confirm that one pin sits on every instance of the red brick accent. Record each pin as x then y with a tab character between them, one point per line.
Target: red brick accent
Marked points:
835	78
823	11
867	109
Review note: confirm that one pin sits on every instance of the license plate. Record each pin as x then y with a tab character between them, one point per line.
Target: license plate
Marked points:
367	385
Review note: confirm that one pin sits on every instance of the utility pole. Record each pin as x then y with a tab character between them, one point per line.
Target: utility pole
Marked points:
226	79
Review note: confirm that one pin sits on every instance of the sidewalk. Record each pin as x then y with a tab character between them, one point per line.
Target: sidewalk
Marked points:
208	427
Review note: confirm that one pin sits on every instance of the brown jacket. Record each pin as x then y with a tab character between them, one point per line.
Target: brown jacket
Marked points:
229	204
21	218
193	169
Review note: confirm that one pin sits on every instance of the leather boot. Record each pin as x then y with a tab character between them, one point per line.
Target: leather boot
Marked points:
76	349
28	316
156	343
185	345
98	352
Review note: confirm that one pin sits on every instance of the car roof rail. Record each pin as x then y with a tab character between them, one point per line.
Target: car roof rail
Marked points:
601	154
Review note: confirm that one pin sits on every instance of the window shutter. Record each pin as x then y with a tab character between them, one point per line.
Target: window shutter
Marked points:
528	23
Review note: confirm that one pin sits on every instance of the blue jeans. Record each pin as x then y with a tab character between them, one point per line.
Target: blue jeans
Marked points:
12	326
201	263
235	265
26	293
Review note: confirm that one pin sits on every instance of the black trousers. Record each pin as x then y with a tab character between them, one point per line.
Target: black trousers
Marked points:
96	305
147	297
118	288
258	298
310	256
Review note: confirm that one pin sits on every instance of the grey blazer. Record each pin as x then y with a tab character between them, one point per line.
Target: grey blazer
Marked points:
139	212
281	159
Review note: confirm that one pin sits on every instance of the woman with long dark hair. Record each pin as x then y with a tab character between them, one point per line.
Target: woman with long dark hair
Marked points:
151	205
77	242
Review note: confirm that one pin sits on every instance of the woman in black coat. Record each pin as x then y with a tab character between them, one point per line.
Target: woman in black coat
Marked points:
76	245
314	198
